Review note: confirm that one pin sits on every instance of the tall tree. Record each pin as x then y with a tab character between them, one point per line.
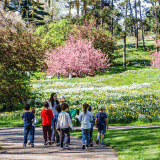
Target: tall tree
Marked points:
125	32
136	24
112	18
77	6
141	24
131	15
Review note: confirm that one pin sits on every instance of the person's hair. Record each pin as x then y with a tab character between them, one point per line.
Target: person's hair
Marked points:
33	110
52	99
85	107
90	108
45	104
101	109
27	107
58	108
64	106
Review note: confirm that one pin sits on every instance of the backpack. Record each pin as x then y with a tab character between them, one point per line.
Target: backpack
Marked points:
29	124
101	122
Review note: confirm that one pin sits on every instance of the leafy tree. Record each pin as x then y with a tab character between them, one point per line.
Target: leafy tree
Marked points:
54	34
101	38
156	56
20	52
34	11
78	57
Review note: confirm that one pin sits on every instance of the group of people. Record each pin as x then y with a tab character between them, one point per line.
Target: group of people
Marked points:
56	122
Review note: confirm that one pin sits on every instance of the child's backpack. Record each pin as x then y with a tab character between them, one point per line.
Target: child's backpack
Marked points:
101	120
29	124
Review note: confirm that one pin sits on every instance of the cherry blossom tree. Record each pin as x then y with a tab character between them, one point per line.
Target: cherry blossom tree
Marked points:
156	56
78	57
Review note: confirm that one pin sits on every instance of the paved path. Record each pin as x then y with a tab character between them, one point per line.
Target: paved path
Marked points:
128	127
11	141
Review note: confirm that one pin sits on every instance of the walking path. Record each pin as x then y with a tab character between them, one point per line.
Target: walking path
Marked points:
11	140
128	127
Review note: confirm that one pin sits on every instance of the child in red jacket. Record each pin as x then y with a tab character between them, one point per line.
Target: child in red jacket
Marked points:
47	115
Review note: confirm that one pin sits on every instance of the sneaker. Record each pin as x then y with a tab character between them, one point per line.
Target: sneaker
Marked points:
67	147
29	143
45	143
97	141
102	144
32	145
58	144
62	148
91	144
49	142
83	147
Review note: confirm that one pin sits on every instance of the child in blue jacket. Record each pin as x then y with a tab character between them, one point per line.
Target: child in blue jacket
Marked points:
55	119
92	124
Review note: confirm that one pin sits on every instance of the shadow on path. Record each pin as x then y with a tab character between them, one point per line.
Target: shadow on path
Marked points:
12	148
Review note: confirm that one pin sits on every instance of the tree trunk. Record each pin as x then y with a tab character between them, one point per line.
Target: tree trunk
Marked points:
77	5
159	18
84	9
112	19
70	9
33	10
124	45
141	25
101	14
131	14
136	25
156	19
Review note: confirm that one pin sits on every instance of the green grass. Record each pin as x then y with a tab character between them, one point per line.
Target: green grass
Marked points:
132	144
123	102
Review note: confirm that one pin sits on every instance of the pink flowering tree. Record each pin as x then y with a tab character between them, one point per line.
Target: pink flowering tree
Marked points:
156	55
78	57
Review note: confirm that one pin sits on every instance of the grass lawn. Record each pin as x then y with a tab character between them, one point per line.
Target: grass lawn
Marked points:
132	144
130	96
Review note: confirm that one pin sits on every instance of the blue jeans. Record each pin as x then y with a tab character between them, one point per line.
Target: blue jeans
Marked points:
30	136
69	140
27	132
86	135
53	132
64	133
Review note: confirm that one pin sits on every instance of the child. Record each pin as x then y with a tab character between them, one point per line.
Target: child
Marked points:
85	118
28	128
63	100
55	119
47	115
101	122
64	123
33	127
92	123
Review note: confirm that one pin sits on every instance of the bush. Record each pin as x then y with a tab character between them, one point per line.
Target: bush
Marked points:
53	34
78	57
20	52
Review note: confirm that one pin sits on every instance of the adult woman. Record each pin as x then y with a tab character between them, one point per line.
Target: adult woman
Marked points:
52	105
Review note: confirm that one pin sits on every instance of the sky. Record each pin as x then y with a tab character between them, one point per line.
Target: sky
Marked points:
64	7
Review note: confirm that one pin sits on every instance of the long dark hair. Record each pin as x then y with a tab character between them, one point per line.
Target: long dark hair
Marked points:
85	106
52	99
